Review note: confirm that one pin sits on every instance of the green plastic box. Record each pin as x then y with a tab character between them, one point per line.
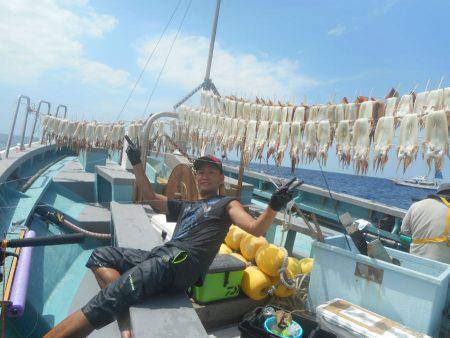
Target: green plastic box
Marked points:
222	281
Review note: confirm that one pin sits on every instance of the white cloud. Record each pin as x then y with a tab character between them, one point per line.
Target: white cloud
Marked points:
42	36
337	30
232	72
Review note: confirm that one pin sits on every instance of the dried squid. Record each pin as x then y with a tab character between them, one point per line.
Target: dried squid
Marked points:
323	140
405	106
366	110
360	145
351	111
407	148
446	100
310	146
343	142
261	138
250	142
296	143
285	130
435	99
391	106
384	134
436	143
274	139
240	134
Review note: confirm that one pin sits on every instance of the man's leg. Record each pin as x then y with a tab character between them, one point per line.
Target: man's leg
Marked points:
74	326
105	276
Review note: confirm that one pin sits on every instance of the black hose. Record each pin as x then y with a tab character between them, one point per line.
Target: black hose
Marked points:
46	240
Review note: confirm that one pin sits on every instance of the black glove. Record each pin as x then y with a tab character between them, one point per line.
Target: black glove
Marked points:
282	196
133	152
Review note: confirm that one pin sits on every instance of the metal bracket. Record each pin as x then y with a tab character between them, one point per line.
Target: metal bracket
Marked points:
369	272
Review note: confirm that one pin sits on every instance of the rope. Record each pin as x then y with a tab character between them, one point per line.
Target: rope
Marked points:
148	61
167	57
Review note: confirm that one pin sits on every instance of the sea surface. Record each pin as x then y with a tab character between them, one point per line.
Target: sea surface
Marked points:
371	188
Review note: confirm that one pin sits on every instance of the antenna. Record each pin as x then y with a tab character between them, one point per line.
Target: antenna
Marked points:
211	42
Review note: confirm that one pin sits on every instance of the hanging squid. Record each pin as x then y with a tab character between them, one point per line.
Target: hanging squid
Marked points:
274	140
296	144
360	145
343	142
384	134
408	142
285	130
391	106
240	135
435	99
261	139
310	146
351	111
250	142
436	143
323	140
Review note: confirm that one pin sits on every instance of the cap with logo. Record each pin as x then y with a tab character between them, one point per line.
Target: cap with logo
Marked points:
208	160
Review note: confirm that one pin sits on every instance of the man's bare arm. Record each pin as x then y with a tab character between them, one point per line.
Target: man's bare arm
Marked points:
245	221
157	201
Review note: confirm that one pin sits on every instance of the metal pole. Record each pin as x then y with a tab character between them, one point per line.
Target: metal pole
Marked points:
38	111
65	110
11	133
211	42
24	127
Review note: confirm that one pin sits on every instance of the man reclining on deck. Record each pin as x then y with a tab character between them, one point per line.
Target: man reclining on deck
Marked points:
129	276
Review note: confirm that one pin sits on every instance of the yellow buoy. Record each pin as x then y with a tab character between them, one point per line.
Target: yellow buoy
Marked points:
306	265
234	236
250	244
269	259
255	283
224	249
240	257
294	266
281	290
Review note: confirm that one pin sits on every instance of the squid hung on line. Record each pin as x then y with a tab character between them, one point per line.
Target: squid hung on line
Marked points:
343	142
420	104
296	144
408	140
246	111
232	136
231	108
351	110
240	135
274	140
313	113
391	106
227	129
265	113
261	138
240	110
384	134
405	106
436	143
323	140
218	136
309	150
435	99
90	134
446	100
285	130
361	145
322	113
250	142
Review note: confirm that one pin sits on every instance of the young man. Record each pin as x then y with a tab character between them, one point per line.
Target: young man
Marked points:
128	276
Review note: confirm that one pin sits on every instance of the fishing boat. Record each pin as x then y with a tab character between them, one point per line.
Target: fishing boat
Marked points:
417	182
73	191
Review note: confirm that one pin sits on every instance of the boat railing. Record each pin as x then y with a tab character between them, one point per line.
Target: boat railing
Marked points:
29	109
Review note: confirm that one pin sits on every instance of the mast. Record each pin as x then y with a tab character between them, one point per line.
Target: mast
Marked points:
211	44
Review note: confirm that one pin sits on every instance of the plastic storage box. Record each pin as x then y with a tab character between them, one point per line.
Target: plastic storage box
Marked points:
413	294
222	281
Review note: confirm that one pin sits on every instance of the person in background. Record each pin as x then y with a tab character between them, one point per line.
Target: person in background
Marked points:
427	222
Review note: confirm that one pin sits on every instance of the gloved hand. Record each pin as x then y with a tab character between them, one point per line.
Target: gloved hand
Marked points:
284	194
133	152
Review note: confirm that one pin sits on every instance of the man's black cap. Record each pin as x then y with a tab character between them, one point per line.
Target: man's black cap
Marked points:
208	160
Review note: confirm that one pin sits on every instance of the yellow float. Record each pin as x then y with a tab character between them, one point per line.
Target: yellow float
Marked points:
269	259
250	244
224	249
234	236
306	265
255	283
292	269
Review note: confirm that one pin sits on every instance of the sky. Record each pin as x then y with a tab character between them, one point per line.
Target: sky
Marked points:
89	54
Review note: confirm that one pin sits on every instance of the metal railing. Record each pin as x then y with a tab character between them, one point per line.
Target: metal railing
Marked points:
29	109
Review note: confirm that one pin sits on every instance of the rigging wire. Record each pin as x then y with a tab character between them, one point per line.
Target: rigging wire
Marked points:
148	60
167	57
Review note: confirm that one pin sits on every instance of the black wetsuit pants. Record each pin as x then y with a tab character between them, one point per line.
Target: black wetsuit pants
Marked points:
143	273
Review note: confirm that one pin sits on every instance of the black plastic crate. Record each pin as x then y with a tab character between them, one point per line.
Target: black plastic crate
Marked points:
250	328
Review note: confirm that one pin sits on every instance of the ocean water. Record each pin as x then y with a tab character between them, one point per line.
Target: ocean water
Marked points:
371	188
